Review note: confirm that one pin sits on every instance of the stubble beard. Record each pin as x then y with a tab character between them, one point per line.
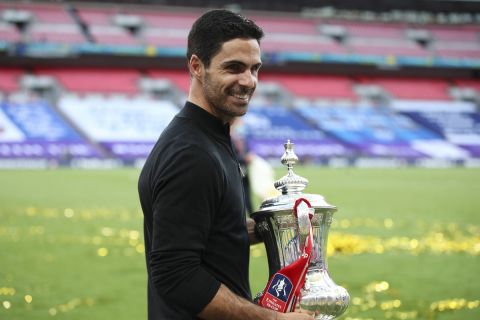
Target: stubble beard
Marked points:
218	100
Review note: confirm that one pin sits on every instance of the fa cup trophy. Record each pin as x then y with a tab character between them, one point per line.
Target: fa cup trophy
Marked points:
294	227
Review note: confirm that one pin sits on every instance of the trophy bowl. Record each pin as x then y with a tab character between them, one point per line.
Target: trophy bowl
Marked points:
279	229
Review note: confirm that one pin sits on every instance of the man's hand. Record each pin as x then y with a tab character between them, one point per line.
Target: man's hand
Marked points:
227	305
252	235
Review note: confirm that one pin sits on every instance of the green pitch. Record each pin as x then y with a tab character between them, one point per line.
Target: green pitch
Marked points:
404	242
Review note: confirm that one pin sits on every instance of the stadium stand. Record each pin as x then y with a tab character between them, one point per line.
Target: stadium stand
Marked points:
107	33
380	39
267	129
297	34
379	132
125	127
40	22
131	26
334	85
41	12
457	122
35	130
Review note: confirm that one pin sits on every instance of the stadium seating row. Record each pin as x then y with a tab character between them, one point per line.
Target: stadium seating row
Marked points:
137	25
127	81
126	129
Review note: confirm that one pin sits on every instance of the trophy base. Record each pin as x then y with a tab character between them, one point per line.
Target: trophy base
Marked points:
321	297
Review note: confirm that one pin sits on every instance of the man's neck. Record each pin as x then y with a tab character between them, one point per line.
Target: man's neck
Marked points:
205	106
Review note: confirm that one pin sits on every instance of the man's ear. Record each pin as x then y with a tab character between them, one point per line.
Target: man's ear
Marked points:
196	67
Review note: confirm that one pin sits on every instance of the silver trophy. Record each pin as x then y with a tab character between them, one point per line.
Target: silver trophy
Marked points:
284	239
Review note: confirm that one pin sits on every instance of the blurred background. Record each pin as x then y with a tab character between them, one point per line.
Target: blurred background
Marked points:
381	99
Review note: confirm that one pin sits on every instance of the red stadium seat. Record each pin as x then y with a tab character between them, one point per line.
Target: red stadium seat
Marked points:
286	25
102	27
180	78
166	37
57	33
374	30
9	33
42	12
95	16
314	86
113	35
384	47
433	89
455	33
95	80
167	20
468	83
300	43
9	79
456	49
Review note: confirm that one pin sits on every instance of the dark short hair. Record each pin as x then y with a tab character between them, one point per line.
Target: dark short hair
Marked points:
216	27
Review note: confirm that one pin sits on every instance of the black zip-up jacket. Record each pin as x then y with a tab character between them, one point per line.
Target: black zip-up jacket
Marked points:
194	216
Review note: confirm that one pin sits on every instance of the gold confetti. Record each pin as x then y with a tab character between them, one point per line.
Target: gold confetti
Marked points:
6	291
256	251
439	243
68	213
392	304
107	232
375	293
140	248
134	234
388	223
70	305
31	211
348	237
102	252
28	298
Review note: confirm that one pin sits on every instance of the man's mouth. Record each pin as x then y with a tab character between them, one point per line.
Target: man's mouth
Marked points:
241	94
244	97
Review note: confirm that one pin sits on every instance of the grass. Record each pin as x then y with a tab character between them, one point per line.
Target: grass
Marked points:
404	242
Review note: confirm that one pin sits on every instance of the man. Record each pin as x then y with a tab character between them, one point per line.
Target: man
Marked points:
196	239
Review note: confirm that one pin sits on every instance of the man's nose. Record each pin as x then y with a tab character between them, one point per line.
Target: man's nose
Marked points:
248	80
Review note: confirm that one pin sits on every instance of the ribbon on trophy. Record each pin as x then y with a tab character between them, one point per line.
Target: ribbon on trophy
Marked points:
283	288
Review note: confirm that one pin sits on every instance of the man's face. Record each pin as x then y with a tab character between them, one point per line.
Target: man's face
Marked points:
231	78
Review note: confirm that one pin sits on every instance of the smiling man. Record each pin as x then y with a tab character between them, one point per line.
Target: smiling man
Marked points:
195	228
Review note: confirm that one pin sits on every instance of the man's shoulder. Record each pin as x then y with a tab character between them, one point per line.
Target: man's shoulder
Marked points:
182	137
182	130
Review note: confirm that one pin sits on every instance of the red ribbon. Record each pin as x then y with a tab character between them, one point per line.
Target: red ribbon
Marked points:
283	288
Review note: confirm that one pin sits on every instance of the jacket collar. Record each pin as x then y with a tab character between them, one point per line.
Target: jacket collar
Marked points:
205	120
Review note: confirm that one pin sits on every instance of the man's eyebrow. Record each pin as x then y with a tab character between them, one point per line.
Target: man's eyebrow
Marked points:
230	62
233	62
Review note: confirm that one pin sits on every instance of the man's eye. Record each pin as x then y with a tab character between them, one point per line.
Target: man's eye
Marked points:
234	68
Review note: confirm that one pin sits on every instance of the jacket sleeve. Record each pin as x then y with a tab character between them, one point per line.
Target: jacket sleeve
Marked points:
186	194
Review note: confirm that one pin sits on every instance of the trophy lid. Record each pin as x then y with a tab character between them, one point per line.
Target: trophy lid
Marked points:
291	186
